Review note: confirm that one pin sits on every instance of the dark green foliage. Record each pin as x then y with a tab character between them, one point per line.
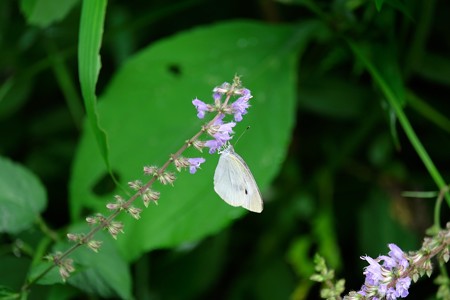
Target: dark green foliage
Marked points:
350	108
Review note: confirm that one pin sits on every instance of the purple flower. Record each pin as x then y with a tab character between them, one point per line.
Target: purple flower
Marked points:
386	280
397	254
217	96
239	107
245	93
201	107
222	89
388	262
213	145
194	164
222	135
402	287
219	120
372	271
220	131
391	294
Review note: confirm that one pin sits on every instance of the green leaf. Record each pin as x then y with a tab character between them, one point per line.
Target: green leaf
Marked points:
49	278
61	292
89	64
397	4
43	13
402	6
104	273
13	280
22	199
379	4
13	96
328	245
208	260
7	294
299	256
148	114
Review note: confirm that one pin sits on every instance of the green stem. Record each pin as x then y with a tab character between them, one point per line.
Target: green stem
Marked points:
416	48
66	82
437	207
406	125
46	230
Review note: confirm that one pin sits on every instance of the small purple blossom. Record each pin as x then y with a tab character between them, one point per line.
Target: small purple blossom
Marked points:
222	89
386	280
201	107
402	287
222	131
222	135
213	145
373	270
239	107
219	120
391	294
397	254
217	97
194	164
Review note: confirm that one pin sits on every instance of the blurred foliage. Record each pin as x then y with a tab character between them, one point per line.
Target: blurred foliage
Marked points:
334	83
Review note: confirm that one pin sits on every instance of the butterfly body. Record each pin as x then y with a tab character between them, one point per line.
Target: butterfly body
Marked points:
234	182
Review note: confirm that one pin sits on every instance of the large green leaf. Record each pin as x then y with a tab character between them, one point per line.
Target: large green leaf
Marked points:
148	114
45	12
89	64
22	197
104	273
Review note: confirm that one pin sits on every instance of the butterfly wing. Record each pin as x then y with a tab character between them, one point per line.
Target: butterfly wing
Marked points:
254	200
235	184
228	182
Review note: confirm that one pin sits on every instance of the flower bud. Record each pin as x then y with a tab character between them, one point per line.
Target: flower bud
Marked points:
134	212
94	245
135	185
73	237
114	228
150	195
151	170
181	162
199	145
113	206
167	178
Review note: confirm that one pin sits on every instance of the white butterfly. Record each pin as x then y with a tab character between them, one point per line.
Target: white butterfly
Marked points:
234	182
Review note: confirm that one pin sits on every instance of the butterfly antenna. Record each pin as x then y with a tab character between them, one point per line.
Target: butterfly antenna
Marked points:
248	127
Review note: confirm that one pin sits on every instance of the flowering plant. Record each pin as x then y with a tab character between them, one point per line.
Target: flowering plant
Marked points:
390	276
218	129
